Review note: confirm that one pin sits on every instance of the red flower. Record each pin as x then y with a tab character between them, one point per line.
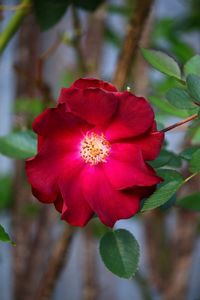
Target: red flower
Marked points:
92	153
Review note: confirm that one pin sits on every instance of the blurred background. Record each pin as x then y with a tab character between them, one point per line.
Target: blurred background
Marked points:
50	259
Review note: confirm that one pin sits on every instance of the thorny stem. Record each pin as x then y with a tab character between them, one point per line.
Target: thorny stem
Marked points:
180	123
14	24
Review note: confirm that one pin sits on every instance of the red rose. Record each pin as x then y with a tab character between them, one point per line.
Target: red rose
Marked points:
92	153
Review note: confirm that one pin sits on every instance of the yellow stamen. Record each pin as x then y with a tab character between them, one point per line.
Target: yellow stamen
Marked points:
94	148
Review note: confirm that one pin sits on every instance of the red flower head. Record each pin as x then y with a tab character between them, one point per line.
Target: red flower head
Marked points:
92	153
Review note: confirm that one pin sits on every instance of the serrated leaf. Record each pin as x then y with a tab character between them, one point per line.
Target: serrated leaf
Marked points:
169	175
193	84
4	237
162	62
195	162
180	98
49	12
188	152
120	252
163	158
191	202
19	145
167	108
192	66
166	157
172	182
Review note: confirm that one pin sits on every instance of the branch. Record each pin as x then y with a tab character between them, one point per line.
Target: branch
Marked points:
180	123
55	265
14	24
135	29
77	42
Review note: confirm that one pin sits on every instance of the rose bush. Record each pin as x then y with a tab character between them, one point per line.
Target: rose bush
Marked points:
92	155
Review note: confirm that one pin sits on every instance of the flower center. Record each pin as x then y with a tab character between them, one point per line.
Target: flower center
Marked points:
94	148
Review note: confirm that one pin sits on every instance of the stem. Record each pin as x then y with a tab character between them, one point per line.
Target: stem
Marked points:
133	35
55	265
14	7
14	24
190	177
77	41
180	123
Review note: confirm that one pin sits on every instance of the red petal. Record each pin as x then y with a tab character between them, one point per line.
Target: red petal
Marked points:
150	144
126	168
109	204
135	116
84	83
76	210
93	105
40	141
58	203
56	121
44	169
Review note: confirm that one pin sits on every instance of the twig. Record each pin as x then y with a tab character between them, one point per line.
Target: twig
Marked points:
14	7
43	57
14	24
51	50
55	265
190	177
132	38
180	123
76	41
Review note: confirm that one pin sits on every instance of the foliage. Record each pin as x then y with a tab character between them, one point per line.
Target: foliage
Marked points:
49	12
120	252
4	237
177	94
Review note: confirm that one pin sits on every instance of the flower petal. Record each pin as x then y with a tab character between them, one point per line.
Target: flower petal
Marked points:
56	121
126	168
150	144
134	117
109	204
44	169
76	210
84	83
58	203
93	105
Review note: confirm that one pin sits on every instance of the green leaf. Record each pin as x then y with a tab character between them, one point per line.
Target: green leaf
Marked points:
120	252
173	181
19	145
4	237
193	84
49	12
5	191
195	162
89	5
166	107
192	66
196	137
163	158
162	62
191	202
180	98
188	152
166	157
